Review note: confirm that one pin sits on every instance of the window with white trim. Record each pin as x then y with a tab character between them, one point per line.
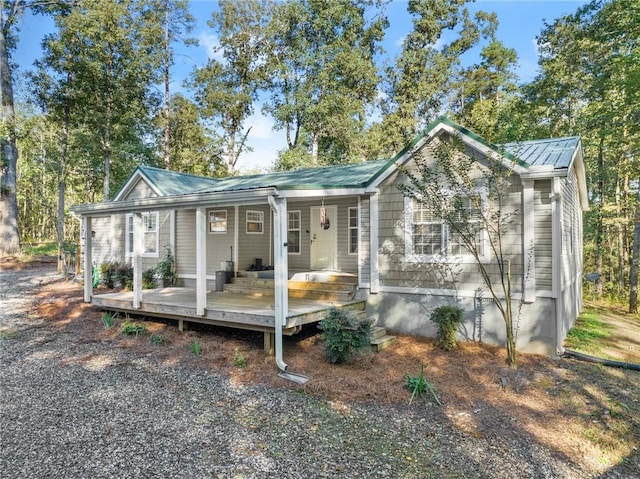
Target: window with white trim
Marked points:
151	238
429	237
255	222
218	222
353	230
293	231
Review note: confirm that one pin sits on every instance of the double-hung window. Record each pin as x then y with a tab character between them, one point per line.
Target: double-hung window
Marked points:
353	230
255	222
293	233
430	237
151	238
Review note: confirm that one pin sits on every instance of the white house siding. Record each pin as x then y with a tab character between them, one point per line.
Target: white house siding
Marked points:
571	270
542	236
253	246
101	240
141	190
364	257
185	246
397	271
218	244
347	263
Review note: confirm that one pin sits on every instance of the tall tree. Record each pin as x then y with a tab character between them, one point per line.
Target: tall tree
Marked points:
226	88
484	89
176	23
192	149
10	11
425	71
588	85
323	74
116	59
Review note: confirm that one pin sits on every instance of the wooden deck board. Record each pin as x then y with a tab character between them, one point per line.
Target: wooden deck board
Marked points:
225	309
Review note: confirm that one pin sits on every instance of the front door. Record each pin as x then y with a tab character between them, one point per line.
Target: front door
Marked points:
324	237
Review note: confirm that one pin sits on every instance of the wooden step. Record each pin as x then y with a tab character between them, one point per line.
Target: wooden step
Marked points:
324	291
377	332
380	343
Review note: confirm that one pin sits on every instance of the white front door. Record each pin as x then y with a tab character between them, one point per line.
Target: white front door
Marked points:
324	237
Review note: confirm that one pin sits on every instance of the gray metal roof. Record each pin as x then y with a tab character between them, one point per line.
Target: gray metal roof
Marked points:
557	152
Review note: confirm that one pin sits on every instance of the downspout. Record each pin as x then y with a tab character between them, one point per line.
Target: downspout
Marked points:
281	279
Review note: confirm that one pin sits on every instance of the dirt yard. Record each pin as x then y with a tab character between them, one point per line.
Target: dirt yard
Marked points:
585	413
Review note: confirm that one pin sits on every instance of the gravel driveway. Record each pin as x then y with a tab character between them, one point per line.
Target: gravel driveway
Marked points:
76	409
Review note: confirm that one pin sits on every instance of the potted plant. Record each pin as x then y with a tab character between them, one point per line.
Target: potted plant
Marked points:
164	269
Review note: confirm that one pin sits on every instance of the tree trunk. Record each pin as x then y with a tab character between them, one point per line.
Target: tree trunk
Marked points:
9	230
633	277
167	53
599	226
62	186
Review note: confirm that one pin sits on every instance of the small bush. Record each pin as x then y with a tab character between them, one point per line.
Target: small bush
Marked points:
419	385
130	328
344	336
238	359
156	340
195	347
108	273
148	279
108	319
448	319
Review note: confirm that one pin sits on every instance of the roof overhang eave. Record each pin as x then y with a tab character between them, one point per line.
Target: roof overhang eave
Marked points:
193	200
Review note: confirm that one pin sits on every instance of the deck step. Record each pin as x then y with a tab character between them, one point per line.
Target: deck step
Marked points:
380	343
377	332
324	291
380	339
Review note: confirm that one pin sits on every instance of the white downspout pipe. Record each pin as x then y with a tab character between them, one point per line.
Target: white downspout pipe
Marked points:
281	280
281	274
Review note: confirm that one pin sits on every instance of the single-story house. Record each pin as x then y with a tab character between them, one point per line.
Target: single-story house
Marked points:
317	227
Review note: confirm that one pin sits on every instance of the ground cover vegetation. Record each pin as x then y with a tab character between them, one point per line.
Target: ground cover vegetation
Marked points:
585	413
90	109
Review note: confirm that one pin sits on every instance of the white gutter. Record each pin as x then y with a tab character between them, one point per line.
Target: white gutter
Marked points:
192	200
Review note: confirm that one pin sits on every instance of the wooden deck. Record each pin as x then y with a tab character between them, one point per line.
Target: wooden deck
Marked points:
228	309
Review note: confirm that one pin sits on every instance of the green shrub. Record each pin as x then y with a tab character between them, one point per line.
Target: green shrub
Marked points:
164	268
419	385
195	347
156	340
130	328
344	336
148	279
108	319
238	359
108	273
448	319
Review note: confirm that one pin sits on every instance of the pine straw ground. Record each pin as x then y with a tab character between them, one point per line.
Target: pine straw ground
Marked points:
586	413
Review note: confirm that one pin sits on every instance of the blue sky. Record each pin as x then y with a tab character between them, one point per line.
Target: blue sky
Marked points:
520	22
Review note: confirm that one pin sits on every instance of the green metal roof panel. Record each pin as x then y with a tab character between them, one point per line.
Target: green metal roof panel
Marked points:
174	183
352	175
557	152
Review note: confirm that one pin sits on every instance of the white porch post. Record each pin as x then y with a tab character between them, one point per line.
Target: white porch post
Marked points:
528	235
373	243
281	273
138	247
201	261
236	238
556	255
88	262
